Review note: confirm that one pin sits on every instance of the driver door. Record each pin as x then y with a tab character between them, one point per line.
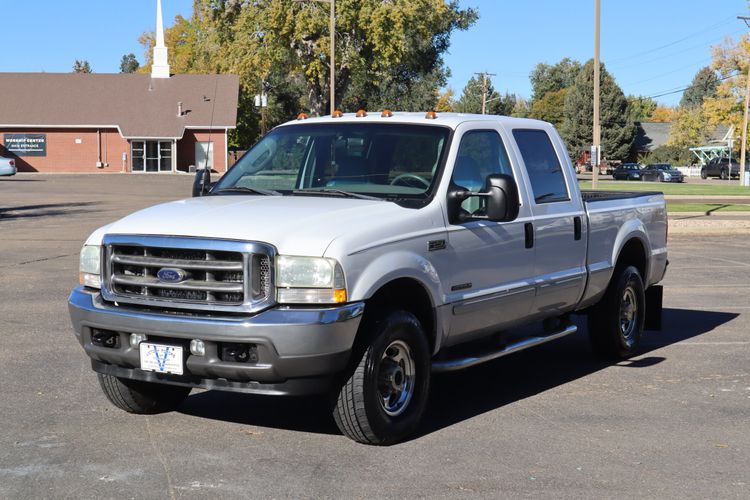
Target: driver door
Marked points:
490	285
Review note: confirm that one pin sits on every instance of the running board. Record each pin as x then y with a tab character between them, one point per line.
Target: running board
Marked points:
461	363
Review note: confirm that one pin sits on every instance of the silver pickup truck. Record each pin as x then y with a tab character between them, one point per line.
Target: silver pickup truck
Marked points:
354	256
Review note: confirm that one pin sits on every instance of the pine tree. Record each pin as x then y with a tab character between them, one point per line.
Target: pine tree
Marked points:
704	85
617	129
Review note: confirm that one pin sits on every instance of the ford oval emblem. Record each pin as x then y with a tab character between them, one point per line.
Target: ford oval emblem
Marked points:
171	275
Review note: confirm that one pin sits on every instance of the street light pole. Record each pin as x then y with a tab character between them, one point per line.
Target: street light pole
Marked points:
332	28
597	131
744	119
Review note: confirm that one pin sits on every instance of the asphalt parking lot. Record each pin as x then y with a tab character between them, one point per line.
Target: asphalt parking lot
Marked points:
553	422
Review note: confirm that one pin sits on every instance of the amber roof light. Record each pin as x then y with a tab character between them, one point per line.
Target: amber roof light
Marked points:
361	113
337	114
431	115
302	116
387	113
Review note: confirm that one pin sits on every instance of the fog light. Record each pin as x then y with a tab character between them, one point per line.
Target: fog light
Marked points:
197	347
136	339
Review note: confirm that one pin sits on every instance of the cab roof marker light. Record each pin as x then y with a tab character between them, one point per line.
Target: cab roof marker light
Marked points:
431	115
361	113
387	113
302	116
337	114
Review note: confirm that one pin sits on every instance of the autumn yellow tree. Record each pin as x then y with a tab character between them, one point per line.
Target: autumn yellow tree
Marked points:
730	60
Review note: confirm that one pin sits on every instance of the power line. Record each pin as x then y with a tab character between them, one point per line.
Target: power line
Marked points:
687	37
656	77
683	89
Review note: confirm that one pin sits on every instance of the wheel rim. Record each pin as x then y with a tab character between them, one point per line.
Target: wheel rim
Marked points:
628	315
396	378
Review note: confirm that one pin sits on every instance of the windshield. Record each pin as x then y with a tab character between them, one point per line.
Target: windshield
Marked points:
663	166
385	161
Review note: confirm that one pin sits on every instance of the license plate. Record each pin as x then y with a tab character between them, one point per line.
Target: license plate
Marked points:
161	358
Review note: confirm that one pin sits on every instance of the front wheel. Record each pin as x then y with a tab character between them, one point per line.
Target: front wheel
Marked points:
616	322
384	398
146	398
704	174
724	176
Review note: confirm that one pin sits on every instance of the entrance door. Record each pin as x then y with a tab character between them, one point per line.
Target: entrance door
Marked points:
151	156
204	154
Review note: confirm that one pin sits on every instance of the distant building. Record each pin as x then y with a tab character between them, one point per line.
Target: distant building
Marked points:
651	135
70	122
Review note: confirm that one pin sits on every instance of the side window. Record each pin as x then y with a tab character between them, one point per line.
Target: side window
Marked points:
480	154
543	166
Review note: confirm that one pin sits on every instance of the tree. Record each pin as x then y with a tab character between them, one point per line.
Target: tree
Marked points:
704	85
388	54
522	108
730	60
547	78
641	109
81	66
550	107
617	130
662	114
445	101
495	103
129	64
689	128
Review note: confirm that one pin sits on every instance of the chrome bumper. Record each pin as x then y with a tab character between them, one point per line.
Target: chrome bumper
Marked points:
291	343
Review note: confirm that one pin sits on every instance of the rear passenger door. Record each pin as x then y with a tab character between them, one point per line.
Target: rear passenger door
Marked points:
559	219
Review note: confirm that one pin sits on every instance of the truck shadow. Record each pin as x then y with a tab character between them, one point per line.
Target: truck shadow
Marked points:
45	210
459	396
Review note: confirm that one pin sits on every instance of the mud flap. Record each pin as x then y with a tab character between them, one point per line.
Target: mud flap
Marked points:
654	296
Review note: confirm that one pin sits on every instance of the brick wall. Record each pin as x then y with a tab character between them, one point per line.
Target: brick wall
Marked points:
186	148
73	150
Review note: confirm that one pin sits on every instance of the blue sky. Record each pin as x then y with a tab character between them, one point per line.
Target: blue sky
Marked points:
650	46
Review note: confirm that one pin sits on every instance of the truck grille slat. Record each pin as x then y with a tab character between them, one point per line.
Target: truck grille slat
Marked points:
210	274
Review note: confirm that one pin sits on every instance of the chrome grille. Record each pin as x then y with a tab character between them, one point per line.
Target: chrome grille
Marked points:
221	275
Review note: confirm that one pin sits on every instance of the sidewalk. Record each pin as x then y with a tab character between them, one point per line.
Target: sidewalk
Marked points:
699	223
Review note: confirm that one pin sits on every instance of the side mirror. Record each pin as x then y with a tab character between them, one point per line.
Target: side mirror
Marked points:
501	200
202	182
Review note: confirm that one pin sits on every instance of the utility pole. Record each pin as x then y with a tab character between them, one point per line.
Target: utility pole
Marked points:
744	119
484	76
597	131
332	28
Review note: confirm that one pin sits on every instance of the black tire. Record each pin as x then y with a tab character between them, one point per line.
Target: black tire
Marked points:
704	174
723	174
361	410
143	398
660	178
612	334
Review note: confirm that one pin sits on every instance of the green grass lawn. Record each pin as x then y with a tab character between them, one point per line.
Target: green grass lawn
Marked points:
718	188
706	207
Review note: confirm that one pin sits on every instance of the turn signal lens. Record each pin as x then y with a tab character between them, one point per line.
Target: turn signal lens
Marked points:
339	296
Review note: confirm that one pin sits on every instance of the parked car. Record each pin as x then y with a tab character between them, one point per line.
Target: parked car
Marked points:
627	172
355	271
7	166
721	168
661	172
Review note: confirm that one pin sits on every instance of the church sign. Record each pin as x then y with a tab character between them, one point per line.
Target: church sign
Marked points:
26	144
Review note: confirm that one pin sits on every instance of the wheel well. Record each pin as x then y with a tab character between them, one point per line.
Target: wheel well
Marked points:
407	294
633	254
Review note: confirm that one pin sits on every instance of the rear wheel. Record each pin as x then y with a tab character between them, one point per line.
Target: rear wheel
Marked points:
135	396
724	175
704	174
383	399
616	323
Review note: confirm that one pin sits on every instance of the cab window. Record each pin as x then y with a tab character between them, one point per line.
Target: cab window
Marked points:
543	166
480	153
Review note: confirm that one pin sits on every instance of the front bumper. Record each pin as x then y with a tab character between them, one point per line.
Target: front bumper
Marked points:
298	349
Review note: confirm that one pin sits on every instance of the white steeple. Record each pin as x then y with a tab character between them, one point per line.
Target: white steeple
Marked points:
160	66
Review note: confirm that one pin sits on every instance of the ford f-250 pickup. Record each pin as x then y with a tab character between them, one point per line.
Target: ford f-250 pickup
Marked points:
356	255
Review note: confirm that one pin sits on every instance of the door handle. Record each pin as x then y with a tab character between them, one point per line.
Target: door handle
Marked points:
577	228
528	229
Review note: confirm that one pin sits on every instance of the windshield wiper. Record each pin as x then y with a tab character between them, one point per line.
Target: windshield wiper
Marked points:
336	192
243	189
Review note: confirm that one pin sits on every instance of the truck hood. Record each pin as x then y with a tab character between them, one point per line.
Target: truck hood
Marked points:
295	225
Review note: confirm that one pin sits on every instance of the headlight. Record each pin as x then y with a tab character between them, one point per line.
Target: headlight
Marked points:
90	266
667	177
309	280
